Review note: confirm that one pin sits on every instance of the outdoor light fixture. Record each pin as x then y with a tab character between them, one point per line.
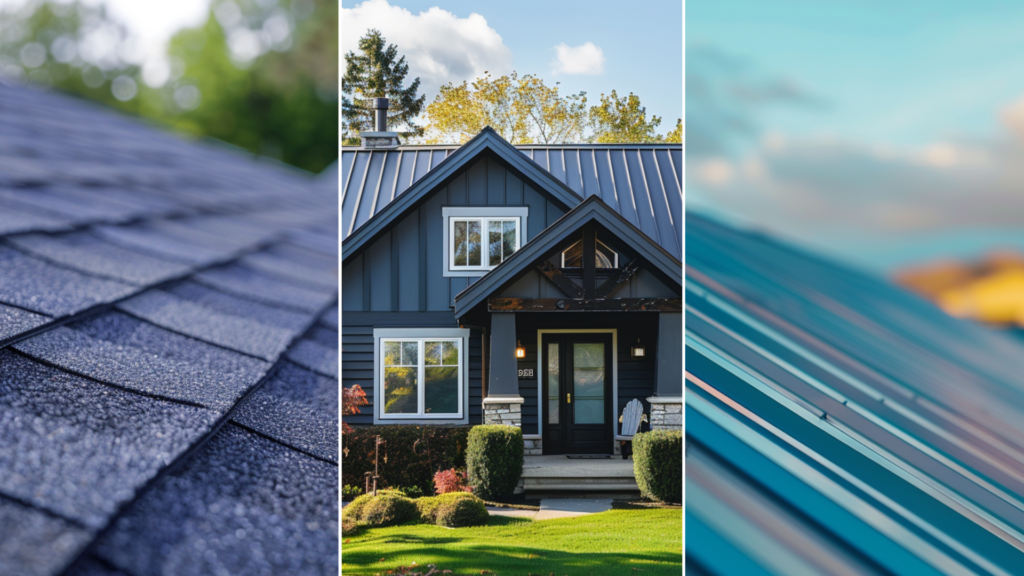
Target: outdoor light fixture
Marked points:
637	350
520	350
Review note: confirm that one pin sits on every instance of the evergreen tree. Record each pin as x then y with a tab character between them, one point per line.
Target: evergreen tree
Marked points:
377	72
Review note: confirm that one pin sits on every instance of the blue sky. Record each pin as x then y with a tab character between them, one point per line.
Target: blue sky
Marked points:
881	133
641	43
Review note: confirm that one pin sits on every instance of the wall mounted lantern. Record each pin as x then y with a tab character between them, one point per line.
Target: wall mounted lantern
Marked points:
637	350
520	350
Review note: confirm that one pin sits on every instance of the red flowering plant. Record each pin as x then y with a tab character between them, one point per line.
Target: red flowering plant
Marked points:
351	399
451	480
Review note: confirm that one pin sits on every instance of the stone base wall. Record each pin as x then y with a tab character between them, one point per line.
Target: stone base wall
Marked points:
532	447
509	414
666	416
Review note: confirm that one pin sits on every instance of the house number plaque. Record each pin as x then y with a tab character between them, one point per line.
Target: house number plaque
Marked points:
526	372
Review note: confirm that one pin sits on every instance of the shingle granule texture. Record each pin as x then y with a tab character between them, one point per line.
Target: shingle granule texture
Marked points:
242	505
79	448
24	531
296	407
242	333
90	565
122	350
320	275
331	318
239	306
263	288
88	253
318	352
43	287
14	321
147	238
14	220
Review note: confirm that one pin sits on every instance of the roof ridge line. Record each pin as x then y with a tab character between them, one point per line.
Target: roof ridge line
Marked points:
196	446
279	442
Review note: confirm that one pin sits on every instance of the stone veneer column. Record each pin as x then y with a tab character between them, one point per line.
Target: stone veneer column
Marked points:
503	411
666	412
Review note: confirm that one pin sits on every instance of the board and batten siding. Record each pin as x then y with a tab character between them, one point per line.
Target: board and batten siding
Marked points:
357	355
402	271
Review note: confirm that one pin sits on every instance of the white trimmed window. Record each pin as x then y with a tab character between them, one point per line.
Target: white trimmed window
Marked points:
420	375
479	238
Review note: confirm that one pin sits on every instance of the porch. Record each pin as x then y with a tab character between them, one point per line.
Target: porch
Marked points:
589	477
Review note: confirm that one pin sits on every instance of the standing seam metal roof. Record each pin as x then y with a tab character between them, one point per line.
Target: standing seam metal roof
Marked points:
642	182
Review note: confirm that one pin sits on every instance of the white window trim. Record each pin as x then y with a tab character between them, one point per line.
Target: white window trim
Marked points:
420	335
483	213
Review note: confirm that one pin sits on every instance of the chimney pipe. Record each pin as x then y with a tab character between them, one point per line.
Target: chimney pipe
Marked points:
380	107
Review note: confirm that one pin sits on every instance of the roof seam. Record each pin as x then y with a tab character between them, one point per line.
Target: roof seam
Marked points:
33	506
65	370
120	310
307	368
276	441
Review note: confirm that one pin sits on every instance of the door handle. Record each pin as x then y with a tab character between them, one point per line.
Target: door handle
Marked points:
568	398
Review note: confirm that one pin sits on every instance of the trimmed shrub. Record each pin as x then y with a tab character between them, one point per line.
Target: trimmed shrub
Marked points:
461	513
428	506
452	480
410	491
658	464
355	508
414	453
387	510
349	527
494	459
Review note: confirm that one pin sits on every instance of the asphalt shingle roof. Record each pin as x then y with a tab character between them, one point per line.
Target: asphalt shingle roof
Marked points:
167	308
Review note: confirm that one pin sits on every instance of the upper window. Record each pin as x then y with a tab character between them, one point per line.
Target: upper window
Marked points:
478	239
420	374
605	257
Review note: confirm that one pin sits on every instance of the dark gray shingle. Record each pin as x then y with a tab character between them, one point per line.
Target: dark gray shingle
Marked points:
49	289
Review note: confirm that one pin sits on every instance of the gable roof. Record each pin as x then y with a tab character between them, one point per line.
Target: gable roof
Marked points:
642	182
839	423
487	141
592	209
168	314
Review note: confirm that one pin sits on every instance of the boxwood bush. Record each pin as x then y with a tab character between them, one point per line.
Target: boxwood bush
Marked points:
428	505
658	464
387	510
461	513
494	460
414	454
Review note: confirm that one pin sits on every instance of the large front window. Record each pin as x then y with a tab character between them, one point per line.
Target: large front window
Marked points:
420	375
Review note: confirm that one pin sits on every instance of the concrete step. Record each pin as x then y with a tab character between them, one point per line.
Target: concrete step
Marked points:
558	473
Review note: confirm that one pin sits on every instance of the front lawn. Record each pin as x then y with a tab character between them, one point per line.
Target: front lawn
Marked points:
620	542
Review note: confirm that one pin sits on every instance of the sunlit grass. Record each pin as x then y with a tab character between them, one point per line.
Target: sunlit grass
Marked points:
647	542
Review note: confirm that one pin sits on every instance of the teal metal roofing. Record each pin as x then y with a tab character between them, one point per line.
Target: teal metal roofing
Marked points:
642	182
167	309
838	424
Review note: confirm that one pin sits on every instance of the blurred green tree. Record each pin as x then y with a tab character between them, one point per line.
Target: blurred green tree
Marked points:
259	75
377	71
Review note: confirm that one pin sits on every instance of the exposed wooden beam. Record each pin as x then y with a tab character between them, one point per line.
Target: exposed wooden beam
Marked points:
553	273
589	262
580	305
623	275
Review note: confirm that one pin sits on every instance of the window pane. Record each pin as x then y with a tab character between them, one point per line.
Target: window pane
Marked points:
605	256
451	354
392	353
460	243
508	242
553	391
441	396
432	353
410	353
474	242
494	242
573	256
588	378
401	391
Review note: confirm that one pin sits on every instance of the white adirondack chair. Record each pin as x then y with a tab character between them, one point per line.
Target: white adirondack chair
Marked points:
632	416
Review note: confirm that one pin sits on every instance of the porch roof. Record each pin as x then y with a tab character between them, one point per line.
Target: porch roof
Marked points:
593	209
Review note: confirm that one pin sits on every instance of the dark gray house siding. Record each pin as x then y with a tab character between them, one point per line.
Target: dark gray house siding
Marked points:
403	270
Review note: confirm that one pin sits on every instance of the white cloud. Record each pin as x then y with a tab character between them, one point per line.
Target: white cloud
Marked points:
583	59
438	46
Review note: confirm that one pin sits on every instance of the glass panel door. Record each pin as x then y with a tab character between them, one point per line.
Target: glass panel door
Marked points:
588	379
553	388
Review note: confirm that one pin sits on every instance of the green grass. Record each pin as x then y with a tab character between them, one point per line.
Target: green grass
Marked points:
620	542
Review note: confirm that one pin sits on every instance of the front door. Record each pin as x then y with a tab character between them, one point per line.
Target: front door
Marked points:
576	384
